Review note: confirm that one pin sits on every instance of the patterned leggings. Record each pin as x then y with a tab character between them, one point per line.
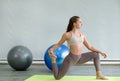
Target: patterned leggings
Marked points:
72	59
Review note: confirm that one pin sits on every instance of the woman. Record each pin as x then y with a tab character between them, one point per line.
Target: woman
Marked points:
76	40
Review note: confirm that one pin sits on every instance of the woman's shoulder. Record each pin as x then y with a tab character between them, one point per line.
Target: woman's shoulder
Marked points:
67	35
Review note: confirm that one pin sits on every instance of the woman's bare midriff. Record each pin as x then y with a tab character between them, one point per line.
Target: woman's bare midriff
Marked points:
76	49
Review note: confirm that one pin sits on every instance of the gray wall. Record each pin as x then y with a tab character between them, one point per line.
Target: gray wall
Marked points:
38	24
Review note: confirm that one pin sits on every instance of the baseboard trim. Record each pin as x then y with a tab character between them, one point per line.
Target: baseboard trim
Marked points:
103	62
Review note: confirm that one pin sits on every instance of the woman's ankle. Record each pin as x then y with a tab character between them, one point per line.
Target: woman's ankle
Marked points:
53	58
98	73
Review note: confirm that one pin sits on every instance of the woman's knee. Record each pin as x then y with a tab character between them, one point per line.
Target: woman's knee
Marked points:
96	55
58	77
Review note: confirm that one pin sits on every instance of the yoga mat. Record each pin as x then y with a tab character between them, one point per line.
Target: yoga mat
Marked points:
69	78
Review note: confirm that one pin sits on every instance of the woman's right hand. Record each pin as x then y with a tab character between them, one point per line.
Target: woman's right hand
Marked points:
52	55
50	52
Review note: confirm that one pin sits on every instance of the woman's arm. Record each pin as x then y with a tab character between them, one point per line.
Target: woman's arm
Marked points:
90	47
62	40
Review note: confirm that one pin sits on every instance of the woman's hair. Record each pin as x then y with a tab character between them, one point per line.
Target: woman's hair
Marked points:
71	21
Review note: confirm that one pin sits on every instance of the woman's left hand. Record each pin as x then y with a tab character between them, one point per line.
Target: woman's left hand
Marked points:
104	54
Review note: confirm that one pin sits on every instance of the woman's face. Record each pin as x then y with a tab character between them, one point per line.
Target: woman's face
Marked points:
78	23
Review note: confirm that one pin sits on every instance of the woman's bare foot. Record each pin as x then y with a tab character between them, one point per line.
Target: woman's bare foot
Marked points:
100	76
53	57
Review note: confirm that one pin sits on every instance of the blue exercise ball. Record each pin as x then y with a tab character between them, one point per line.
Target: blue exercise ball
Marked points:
19	58
61	52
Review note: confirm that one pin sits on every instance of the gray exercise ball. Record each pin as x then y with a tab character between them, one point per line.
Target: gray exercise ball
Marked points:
19	58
